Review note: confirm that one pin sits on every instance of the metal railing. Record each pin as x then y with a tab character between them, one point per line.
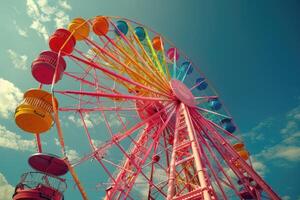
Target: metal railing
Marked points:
32	180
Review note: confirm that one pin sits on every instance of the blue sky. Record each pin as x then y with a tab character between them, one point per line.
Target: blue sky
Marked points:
249	50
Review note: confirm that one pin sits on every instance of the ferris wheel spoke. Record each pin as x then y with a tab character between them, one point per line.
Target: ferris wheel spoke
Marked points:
154	68
132	176
210	167
87	131
197	84
107	124
96	109
151	184
227	158
119	76
203	186
85	70
213	119
91	84
137	67
212	112
223	130
216	160
98	156
174	65
165	65
247	168
120	136
153	53
139	171
165	147
134	73
205	97
118	166
78	105
150	61
102	94
138	167
186	71
136	53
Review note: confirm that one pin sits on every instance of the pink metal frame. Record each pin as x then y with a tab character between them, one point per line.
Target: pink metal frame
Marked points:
195	153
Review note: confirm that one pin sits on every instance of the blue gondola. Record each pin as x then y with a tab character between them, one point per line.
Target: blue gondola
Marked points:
122	26
186	66
215	104
203	84
228	125
140	33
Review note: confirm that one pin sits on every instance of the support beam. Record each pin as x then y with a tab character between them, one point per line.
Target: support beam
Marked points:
195	149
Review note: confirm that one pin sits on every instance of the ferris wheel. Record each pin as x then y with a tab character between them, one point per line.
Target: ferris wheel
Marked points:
148	122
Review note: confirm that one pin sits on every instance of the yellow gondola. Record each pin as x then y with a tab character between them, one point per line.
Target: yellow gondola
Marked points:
34	114
80	27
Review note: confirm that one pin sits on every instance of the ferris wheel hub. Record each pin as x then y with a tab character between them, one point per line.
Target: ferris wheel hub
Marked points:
182	92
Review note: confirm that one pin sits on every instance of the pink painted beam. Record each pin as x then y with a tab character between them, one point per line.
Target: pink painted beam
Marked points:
95	65
102	94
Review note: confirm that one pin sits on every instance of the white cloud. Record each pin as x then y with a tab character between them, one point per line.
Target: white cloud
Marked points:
294	113
258	166
292	139
288	148
114	121
291	126
88	121
20	31
32	9
92	120
45	7
97	118
64	4
40	28
229	173
42	14
10	96
289	153
72	155
37	18
97	143
14	141
61	19
78	122
56	141
6	190
286	197
257	132
160	175
142	186
19	61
